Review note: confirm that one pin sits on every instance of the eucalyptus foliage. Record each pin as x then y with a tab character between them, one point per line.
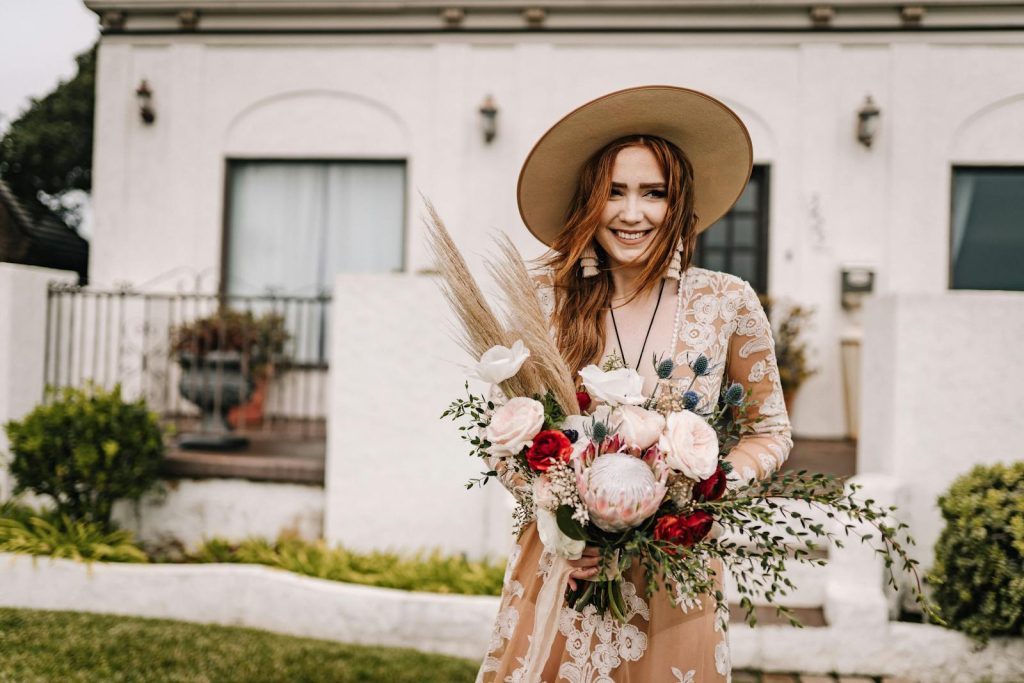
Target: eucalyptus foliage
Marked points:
978	575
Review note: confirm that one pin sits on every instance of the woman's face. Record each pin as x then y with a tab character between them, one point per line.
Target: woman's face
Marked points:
635	208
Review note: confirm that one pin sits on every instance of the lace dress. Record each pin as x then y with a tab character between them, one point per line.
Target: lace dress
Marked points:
723	319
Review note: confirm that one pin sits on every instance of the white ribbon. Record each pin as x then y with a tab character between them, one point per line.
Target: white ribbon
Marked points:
545	619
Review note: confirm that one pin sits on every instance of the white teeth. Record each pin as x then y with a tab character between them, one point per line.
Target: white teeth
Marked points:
630	235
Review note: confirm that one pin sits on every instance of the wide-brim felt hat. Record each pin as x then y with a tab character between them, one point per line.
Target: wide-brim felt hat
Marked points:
710	133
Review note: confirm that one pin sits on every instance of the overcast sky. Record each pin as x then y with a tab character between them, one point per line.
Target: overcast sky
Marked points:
38	43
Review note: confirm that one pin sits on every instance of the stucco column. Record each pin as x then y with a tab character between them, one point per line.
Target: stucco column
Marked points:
22	347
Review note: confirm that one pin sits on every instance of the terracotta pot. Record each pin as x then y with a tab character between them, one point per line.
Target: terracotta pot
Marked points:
251	412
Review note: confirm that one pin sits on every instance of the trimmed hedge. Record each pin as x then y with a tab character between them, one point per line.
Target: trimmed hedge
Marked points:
978	575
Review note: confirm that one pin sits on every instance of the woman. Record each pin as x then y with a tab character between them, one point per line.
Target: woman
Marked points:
619	189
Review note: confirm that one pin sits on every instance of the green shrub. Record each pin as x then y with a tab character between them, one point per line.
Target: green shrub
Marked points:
433	573
978	574
86	448
23	530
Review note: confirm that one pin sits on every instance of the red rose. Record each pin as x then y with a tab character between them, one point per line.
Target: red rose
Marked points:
711	488
684	530
583	398
548	447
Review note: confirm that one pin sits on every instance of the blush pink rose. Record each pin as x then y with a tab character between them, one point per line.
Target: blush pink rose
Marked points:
690	445
640	428
513	426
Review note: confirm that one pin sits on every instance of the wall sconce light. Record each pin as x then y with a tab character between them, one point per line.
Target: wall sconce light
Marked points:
144	96
867	122
489	118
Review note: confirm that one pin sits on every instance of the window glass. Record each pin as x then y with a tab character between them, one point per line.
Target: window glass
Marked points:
738	242
987	249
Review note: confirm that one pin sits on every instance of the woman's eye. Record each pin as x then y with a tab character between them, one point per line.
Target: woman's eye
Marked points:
658	194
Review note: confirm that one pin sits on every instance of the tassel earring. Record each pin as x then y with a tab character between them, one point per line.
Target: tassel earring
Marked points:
589	261
675	268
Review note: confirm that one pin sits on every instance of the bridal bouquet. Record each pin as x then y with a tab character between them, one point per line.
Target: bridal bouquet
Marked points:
643	479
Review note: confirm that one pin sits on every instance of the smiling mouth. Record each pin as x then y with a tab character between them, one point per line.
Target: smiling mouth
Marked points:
631	235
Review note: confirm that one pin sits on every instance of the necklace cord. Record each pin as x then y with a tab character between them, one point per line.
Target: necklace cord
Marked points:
646	337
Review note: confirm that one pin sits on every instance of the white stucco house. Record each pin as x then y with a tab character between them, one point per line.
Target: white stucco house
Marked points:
258	147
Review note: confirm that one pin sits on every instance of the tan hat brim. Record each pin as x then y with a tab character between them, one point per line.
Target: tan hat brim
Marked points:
710	133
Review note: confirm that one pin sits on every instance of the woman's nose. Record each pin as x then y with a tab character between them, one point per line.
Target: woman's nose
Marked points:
630	211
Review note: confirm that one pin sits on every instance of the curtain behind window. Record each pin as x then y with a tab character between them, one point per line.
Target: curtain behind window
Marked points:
294	225
987	245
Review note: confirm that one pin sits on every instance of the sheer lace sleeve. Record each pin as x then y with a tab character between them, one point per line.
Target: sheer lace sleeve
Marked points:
751	362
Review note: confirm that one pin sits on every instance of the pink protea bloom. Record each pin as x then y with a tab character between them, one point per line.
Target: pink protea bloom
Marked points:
619	490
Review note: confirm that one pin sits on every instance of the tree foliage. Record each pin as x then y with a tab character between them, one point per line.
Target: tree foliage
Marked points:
48	149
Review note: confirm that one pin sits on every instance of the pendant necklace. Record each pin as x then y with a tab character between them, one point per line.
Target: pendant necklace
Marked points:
616	328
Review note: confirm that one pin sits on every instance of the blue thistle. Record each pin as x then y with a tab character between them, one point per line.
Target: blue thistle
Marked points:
600	431
700	365
571	434
664	368
690	400
734	394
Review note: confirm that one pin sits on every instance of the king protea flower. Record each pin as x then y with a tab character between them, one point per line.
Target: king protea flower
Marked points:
619	490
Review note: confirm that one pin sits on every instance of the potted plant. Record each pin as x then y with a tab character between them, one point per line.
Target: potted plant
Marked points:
790	347
223	358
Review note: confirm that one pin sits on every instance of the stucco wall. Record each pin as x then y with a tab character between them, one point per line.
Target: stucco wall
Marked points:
22	347
395	471
941	377
945	97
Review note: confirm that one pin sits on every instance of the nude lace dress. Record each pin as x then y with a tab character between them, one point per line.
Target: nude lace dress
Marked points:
723	319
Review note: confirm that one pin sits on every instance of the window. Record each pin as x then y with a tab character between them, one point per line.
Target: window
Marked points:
738	242
987	249
292	226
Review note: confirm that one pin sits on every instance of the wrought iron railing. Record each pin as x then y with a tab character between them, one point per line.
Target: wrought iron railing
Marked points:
190	355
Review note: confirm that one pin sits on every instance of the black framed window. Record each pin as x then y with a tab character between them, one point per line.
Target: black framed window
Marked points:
738	242
987	235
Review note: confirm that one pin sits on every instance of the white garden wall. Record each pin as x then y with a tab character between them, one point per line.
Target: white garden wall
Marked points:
23	291
275	600
395	471
941	382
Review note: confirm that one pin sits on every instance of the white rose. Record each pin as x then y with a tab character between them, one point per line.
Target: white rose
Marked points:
500	362
638	427
618	387
690	445
514	425
542	494
553	538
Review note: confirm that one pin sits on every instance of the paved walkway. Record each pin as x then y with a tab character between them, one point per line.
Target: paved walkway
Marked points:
745	676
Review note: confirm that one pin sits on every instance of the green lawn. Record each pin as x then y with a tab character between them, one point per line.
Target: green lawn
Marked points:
71	646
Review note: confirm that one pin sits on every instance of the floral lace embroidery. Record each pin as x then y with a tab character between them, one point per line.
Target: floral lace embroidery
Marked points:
593	661
508	616
681	678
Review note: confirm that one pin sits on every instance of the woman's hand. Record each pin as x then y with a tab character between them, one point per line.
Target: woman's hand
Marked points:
586	567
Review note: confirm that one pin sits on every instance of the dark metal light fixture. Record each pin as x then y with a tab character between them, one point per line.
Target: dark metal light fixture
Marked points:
145	99
867	122
489	118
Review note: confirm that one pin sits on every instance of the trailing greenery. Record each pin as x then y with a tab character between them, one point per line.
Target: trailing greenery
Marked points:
86	448
23	530
48	148
978	575
71	647
261	339
433	573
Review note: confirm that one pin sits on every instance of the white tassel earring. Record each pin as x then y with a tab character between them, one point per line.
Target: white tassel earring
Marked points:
675	268
589	261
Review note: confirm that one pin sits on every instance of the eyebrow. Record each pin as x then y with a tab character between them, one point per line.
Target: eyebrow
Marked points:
643	186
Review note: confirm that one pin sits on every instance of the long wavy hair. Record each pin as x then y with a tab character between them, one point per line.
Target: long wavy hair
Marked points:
580	302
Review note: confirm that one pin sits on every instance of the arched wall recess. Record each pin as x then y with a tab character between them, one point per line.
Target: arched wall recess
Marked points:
993	134
317	124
